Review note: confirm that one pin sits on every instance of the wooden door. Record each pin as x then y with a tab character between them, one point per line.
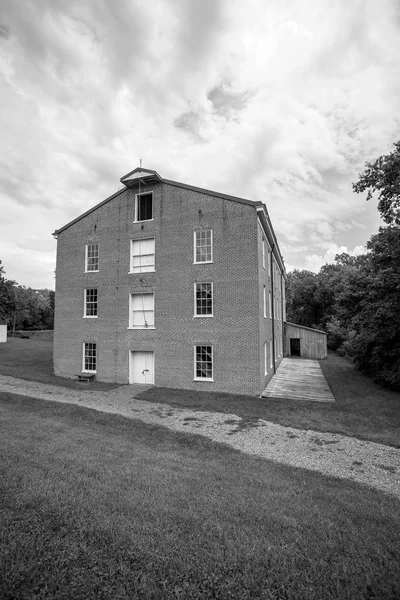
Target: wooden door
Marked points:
141	368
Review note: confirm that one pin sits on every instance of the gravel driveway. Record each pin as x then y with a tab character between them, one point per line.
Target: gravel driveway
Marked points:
336	455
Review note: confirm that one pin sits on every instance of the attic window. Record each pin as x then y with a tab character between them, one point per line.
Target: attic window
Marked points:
144	207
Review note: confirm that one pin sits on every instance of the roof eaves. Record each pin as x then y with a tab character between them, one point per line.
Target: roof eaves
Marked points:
149	171
304	327
210	192
270	233
57	231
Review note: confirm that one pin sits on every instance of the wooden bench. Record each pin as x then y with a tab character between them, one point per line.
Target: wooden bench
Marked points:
86	377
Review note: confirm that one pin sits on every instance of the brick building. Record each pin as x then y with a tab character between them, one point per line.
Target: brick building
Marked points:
170	284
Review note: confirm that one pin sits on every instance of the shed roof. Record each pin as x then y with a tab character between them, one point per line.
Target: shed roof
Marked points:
303	327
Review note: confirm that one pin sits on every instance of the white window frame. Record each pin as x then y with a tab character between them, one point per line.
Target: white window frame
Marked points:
266	358
84	370
265	301
136	220
264	249
203	262
195	313
271	354
85	304
196	378
142	269
131	325
87	270
270	303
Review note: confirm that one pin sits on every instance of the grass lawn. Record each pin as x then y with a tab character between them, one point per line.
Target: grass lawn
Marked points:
362	409
96	506
32	359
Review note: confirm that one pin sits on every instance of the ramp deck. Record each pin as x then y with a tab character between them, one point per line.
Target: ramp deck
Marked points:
299	379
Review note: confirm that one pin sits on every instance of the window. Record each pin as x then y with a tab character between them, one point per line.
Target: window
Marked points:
141	311
91	302
270	304
270	354
266	357
264	252
265	301
269	263
89	357
144	207
203	302
203	246
203	357
142	255
92	257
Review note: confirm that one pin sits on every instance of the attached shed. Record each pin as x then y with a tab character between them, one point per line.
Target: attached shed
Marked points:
305	342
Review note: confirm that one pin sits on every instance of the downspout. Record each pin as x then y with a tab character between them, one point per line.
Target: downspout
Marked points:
272	307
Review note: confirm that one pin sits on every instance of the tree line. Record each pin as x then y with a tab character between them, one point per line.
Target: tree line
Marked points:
25	308
356	300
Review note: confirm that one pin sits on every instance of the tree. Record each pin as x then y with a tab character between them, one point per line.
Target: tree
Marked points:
301	305
383	176
376	345
25	308
7	300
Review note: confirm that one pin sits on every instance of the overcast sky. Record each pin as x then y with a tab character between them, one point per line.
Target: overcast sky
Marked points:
278	101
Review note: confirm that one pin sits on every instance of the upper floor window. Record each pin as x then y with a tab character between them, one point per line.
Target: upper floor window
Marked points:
92	257
265	300
144	206
90	302
89	357
203	246
142	255
203	304
141	311
264	252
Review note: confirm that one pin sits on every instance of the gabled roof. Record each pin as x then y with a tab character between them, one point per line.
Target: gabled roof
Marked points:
148	176
140	174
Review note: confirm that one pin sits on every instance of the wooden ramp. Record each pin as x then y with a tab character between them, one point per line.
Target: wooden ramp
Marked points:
299	379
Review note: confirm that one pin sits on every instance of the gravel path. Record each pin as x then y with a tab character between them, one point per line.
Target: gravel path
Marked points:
369	463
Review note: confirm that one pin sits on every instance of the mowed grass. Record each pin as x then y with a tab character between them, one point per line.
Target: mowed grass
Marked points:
96	506
362	409
32	359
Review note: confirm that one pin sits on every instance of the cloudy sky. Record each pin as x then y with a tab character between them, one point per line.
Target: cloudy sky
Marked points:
281	101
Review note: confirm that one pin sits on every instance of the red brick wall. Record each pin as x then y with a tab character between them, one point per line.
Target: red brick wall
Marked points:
234	329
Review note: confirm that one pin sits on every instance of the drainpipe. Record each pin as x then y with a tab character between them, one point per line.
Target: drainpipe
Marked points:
272	307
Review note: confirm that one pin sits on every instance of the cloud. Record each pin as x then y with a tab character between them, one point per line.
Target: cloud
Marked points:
281	103
315	262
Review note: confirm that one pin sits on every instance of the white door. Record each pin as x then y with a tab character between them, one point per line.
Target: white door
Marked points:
141	369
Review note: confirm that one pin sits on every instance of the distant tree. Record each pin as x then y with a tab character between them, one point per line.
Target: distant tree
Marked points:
301	304
383	176
34	309
25	308
7	299
375	347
